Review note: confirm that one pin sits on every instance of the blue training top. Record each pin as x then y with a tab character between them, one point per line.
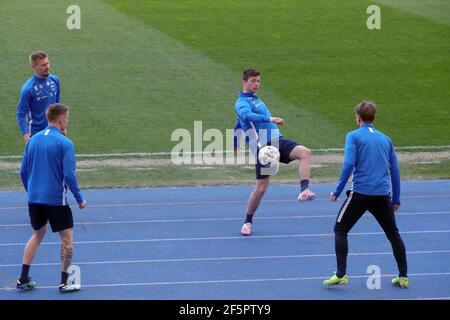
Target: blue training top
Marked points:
253	115
35	96
48	168
370	156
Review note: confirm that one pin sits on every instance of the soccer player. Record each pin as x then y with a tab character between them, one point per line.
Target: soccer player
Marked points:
370	156
48	171
37	93
260	128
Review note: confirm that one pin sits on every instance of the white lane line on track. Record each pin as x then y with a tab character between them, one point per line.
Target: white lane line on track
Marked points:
219	219
192	203
206	259
228	238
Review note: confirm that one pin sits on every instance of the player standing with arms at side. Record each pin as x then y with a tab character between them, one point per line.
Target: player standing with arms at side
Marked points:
47	172
370	156
37	93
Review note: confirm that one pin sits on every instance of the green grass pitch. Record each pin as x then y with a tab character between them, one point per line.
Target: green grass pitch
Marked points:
137	70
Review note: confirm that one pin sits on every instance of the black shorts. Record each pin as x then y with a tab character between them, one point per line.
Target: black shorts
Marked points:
60	217
285	147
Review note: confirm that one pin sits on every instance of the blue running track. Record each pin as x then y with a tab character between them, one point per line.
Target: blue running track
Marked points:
184	243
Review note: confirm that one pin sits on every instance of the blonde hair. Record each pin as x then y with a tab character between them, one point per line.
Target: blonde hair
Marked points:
56	110
37	55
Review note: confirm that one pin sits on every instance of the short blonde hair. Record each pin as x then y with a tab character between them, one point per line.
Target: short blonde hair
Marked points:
37	55
56	110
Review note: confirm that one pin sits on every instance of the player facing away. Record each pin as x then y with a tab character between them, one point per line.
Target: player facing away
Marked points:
48	171
37	93
260	128
370	156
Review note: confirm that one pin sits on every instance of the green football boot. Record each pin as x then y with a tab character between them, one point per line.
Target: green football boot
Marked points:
400	282
335	280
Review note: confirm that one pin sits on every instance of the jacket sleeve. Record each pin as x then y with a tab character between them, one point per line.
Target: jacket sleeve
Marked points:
24	168
348	165
245	112
58	88
395	175
23	107
69	170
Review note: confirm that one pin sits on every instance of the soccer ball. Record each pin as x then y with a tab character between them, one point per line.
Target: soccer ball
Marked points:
269	156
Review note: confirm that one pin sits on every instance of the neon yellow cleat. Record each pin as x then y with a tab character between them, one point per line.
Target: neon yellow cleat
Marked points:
335	280
400	282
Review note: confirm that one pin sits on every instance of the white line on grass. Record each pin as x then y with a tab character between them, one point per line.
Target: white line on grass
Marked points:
150	154
165	283
297	256
228	238
188	220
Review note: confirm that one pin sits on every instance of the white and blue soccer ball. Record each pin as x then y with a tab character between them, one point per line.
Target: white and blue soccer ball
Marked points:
269	156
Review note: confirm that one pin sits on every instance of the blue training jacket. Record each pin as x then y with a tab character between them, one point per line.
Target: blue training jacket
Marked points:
370	156
251	110
48	168
35	96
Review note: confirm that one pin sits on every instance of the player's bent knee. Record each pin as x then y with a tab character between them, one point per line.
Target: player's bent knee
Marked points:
305	153
300	153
